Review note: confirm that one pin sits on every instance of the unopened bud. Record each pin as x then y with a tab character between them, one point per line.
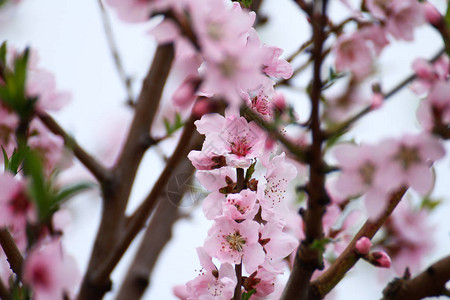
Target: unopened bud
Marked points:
380	259
432	15
363	246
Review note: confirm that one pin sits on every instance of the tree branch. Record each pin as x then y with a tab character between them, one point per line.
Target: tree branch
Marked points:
307	259
159	230
430	282
13	254
98	170
334	274
137	221
116	194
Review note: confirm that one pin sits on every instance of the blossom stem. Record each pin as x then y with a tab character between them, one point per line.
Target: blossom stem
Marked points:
429	283
334	274
238	289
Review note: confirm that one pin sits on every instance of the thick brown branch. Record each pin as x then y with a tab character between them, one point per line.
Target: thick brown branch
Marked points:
13	255
98	170
138	219
307	258
159	230
116	194
4	292
430	282
333	275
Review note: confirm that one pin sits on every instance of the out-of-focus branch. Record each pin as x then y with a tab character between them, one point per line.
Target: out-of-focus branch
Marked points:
346	125
334	274
159	230
429	283
98	170
116	194
309	259
13	255
137	221
115	54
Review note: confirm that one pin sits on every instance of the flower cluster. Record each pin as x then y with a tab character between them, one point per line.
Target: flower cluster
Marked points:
25	210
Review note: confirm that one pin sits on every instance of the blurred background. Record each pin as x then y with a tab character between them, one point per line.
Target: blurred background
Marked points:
70	39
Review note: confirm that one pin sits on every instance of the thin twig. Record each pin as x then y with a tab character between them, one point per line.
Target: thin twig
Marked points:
346	125
115	54
334	274
98	170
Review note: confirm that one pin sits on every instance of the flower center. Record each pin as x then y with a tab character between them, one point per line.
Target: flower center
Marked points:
408	156
19	203
367	171
240	146
235	241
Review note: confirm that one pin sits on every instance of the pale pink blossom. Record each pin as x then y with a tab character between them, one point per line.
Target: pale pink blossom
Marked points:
16	207
272	188
408	162
212	283
262	281
50	273
404	16
353	54
363	246
376	35
241	206
360	166
428	74
42	85
233	243
436	108
432	15
136	10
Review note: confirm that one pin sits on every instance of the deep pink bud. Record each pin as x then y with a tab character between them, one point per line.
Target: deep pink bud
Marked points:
432	15
380	259
363	245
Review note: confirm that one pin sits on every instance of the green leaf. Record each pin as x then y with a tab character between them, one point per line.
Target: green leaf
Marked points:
430	203
177	124
320	244
70	191
3	49
247	295
250	171
5	159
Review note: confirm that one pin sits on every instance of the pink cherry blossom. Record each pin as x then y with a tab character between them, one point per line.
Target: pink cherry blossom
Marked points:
404	16
436	108
360	166
262	281
212	283
353	54
135	10
432	15
233	243
429	74
16	208
272	188
241	206
363	245
50	273
409	161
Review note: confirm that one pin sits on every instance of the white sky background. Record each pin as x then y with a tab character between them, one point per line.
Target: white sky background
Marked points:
70	40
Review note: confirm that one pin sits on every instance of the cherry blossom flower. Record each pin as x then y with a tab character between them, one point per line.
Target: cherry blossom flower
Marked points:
429	74
360	166
436	108
212	283
353	54
262	281
16	209
233	243
409	162
272	188
241	206
379	259
404	16
232	137
50	273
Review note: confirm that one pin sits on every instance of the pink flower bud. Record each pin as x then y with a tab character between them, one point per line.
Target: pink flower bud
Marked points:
432	15
380	259
363	246
377	100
